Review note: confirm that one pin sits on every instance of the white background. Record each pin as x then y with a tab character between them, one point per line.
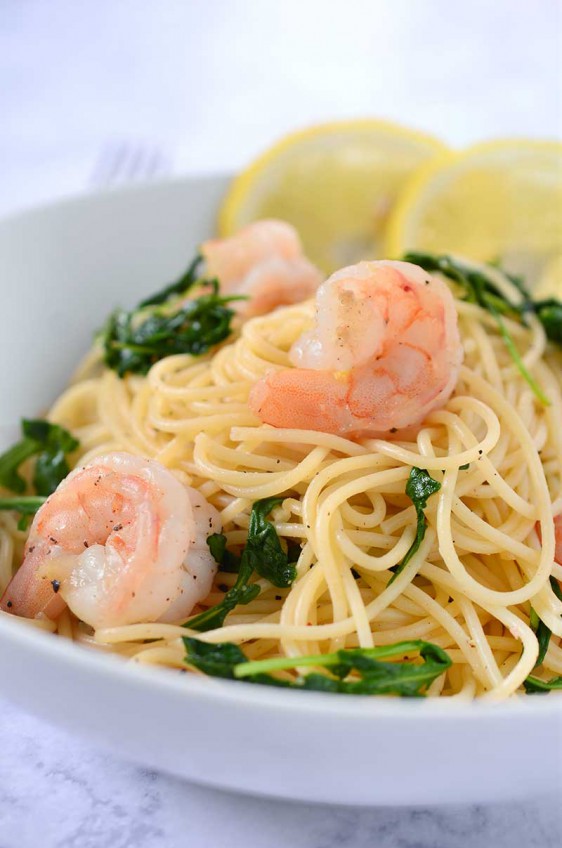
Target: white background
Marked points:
209	83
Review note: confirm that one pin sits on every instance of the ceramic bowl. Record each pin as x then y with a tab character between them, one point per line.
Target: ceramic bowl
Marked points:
62	269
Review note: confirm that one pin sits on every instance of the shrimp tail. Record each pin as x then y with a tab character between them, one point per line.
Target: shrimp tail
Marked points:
31	594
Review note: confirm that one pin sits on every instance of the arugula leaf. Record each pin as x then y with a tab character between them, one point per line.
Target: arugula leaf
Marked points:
49	443
215	660
240	594
228	561
536	686
549	313
480	289
262	554
24	505
11	460
181	286
543	634
134	341
419	488
542	631
371	676
263	549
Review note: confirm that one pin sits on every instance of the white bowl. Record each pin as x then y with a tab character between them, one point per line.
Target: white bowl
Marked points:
62	269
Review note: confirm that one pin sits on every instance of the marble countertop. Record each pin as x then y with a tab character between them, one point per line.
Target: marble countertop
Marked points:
56	790
76	79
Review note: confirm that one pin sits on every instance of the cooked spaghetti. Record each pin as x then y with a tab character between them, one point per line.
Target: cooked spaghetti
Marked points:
477	583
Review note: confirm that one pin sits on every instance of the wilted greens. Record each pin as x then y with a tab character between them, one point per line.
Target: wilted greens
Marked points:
353	671
168	323
49	444
479	288
262	554
419	488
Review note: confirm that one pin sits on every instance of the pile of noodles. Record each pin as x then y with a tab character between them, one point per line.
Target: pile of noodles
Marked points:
488	551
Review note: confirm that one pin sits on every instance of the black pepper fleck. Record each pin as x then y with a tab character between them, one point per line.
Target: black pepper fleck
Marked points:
56	585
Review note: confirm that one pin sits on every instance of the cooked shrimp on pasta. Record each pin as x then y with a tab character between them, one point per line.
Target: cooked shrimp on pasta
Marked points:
352	485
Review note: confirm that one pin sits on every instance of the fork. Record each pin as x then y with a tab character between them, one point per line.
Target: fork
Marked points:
122	162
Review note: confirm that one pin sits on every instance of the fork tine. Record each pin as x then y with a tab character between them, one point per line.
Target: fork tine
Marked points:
118	164
108	165
125	162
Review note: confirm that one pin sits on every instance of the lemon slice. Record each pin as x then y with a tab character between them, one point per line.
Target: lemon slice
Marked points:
550	282
336	183
499	201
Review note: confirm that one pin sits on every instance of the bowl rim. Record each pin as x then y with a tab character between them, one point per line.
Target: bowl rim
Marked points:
104	193
123	673
118	671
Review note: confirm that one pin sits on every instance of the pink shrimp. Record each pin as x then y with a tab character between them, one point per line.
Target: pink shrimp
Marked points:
120	541
265	261
385	351
558	539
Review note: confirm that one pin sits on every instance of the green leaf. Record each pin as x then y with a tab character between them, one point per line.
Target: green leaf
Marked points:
11	460
227	561
514	353
549	313
50	443
262	554
51	466
543	632
376	677
419	488
263	549
25	505
181	286
214	617
536	686
240	594
134	341
215	660
480	289
371	676
555	585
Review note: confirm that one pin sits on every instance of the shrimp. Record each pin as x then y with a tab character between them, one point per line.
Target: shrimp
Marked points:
558	539
120	541
264	260
385	351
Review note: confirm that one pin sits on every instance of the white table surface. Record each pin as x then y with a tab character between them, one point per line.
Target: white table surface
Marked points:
210	84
